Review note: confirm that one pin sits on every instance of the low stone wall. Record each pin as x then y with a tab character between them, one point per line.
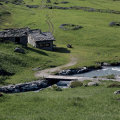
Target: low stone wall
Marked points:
23	87
89	9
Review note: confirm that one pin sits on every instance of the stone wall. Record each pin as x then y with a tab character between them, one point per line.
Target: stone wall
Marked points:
31	41
23	87
44	43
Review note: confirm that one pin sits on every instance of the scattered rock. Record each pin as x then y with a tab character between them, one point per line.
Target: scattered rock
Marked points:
69	46
20	50
92	84
48	1
1	94
114	24
64	2
55	3
32	6
85	85
117	92
118	99
35	69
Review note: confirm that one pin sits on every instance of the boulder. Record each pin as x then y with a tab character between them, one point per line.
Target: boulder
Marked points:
1	94
92	84
64	2
117	92
48	1
20	50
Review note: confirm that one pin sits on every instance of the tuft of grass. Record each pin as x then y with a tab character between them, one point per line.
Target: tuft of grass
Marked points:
56	88
76	84
113	85
112	76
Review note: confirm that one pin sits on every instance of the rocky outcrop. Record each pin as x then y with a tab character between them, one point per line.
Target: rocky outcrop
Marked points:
23	87
92	84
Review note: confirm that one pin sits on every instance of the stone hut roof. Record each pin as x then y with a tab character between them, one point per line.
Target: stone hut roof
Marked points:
14	32
37	35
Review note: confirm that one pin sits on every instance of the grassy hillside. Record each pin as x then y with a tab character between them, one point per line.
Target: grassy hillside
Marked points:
85	103
95	42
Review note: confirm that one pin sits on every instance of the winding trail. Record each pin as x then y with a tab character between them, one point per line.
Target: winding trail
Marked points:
45	73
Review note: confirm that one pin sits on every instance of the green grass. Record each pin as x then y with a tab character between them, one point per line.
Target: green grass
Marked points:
95	42
86	103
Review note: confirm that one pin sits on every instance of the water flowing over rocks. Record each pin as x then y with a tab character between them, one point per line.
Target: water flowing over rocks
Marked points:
75	71
23	87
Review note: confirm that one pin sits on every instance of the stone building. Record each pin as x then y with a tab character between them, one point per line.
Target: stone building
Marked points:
15	35
38	39
42	40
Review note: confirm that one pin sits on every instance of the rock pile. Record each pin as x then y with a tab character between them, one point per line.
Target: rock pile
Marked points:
32	6
74	71
17	2
23	87
89	9
70	26
114	24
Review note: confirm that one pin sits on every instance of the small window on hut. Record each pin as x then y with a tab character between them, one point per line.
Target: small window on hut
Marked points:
17	40
41	45
47	44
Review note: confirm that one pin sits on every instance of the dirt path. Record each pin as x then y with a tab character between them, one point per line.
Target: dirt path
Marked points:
47	72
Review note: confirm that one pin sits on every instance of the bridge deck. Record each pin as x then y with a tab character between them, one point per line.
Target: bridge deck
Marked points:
65	78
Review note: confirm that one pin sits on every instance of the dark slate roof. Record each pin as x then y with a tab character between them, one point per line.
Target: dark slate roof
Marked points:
37	35
14	32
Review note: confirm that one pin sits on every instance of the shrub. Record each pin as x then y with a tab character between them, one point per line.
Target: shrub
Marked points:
76	84
112	76
113	85
56	88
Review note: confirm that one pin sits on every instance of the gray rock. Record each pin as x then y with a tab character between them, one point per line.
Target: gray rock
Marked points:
18	49
92	84
112	23
117	92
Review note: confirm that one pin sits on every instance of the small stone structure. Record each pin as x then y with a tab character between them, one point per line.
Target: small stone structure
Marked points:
38	39
15	35
42	40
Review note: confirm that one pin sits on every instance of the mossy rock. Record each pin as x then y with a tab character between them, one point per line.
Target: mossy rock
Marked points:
76	84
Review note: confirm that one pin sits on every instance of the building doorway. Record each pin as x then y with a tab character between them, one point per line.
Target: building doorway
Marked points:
17	40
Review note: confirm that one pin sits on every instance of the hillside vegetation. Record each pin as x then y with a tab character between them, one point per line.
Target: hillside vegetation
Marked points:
95	42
